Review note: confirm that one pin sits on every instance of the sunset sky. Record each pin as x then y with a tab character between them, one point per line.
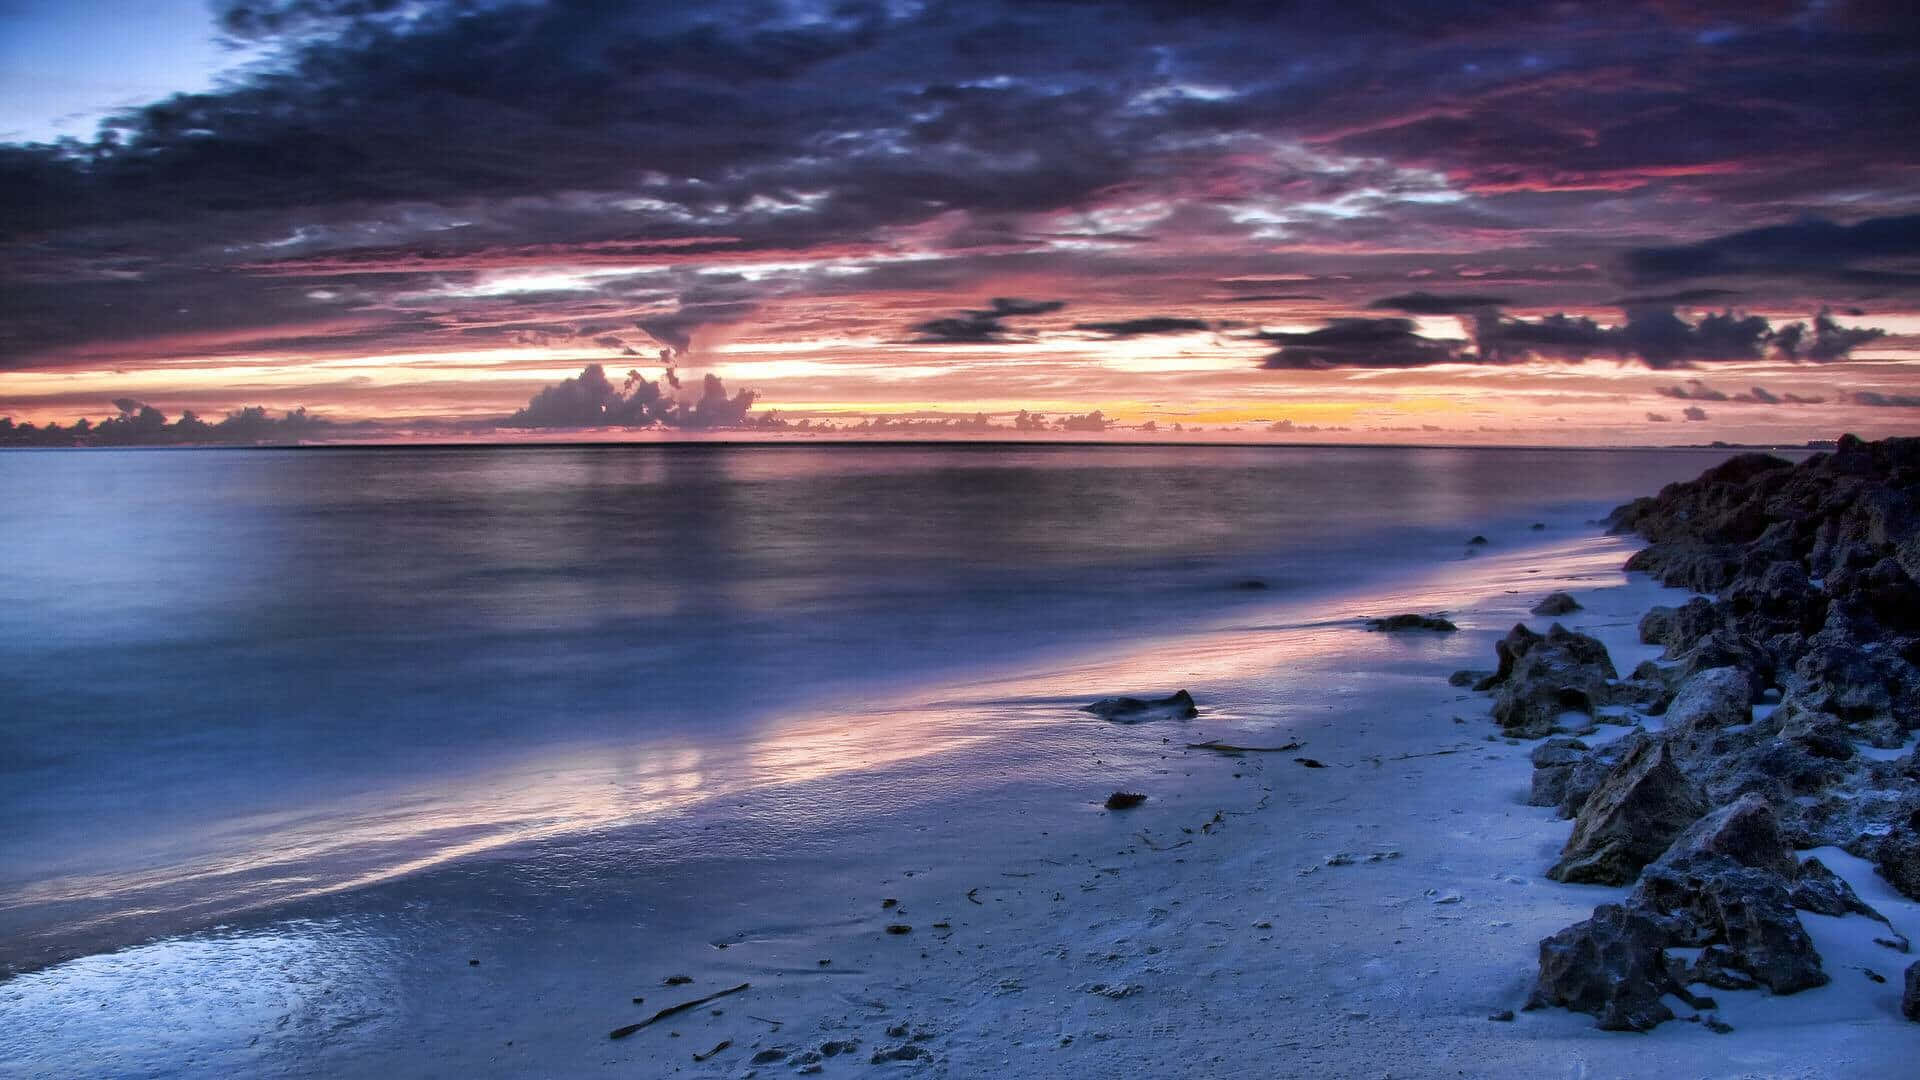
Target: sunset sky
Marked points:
1471	221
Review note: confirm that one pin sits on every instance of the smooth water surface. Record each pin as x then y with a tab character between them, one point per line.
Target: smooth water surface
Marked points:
229	677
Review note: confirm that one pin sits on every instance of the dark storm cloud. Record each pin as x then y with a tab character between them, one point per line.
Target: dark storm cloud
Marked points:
985	326
1358	343
1694	412
1875	252
411	137
1654	336
1148	325
1659	418
1422	303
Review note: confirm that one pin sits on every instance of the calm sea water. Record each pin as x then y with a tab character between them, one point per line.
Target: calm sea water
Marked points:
203	650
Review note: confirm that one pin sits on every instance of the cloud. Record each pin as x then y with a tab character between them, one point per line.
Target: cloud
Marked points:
1093	421
1887	401
985	326
1423	303
1659	418
1361	343
1659	338
1804	250
589	400
1652	335
1694	412
1156	324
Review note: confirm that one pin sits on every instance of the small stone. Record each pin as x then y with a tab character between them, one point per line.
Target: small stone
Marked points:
1504	1016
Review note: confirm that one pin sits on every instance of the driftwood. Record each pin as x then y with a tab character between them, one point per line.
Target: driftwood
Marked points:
671	1010
1229	748
724	1043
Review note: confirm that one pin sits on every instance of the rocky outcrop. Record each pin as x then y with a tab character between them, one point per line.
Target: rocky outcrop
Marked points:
1910	1001
1628	821
1812	576
1542	676
1613	966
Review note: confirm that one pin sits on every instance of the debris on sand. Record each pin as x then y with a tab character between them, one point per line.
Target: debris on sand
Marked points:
1131	710
1125	800
1396	623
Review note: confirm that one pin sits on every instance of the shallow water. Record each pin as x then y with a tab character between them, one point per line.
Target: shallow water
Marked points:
231	678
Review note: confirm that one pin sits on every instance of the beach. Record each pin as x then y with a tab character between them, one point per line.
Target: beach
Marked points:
1254	916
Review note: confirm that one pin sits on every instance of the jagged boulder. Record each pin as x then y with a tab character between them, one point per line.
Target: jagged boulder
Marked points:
1744	831
1910	1000
1712	900
1630	819
1898	857
1612	966
1823	892
1712	699
1679	629
1553	763
1543	676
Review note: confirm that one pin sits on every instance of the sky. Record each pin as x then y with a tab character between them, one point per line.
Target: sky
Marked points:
1461	221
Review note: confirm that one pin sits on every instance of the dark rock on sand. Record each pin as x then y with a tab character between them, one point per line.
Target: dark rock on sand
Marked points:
1714	901
1476	541
1542	676
1395	623
1613	966
1744	831
1910	1000
1823	892
1556	604
1130	710
1125	800
1467	677
1641	806
1553	763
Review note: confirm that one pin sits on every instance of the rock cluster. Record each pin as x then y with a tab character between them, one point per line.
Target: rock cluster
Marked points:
1814	610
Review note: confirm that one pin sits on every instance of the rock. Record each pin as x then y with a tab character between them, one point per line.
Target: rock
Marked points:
1395	623
1910	1000
903	1052
1538	526
1823	892
1544	676
1553	764
1251	585
1556	604
1642	805
1504	1016
1715	698
1679	629
1898	859
1715	901
1612	966
1744	832
1477	541
1586	775
1125	800
1129	710
1559	750
1467	677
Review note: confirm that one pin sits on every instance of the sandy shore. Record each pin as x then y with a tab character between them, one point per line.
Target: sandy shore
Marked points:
1255	917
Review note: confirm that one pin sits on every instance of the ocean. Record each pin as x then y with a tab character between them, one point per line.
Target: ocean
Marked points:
233	678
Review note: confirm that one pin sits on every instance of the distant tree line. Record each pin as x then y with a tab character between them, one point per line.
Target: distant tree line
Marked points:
140	424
